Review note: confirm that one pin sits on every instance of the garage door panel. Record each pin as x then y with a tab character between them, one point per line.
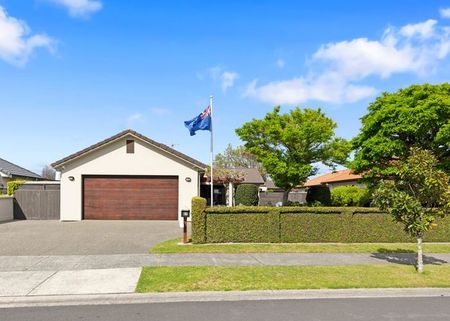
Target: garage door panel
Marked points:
150	197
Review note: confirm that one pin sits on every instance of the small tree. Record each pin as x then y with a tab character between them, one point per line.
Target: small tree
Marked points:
235	157
48	172
416	196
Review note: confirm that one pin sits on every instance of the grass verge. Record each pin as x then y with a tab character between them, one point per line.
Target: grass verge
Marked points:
172	246
244	278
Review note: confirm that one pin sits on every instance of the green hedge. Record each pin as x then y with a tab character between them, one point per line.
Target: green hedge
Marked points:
303	224
198	220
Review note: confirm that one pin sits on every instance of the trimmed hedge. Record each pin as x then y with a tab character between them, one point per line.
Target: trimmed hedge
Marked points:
247	194
264	224
198	220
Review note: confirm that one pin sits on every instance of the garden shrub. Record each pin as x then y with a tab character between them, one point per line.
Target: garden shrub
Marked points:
350	196
318	194
13	186
246	194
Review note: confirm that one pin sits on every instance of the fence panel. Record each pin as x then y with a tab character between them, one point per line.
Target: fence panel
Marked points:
37	202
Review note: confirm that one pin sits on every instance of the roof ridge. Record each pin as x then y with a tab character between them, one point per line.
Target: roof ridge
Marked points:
164	147
18	166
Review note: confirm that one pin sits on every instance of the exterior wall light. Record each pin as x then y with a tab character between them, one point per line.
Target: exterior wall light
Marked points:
71	178
188	179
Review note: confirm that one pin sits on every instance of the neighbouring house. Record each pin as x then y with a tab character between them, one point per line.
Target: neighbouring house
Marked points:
127	176
10	171
224	189
334	179
270	194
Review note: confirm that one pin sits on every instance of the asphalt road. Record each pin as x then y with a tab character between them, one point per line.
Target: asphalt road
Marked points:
379	309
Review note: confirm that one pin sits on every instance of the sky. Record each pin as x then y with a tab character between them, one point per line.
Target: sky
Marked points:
74	72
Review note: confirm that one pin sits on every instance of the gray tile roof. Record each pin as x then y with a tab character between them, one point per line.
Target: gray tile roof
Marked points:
11	169
251	175
163	147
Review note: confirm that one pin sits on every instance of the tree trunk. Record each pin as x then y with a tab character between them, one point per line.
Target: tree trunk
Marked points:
286	196
419	255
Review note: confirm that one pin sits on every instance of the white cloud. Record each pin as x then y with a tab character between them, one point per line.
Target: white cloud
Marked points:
445	13
327	88
337	69
134	118
280	63
227	78
80	8
424	29
160	111
17	43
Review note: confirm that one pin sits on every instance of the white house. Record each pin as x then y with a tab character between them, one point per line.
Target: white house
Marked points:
127	176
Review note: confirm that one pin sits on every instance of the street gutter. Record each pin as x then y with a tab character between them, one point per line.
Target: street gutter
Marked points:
213	296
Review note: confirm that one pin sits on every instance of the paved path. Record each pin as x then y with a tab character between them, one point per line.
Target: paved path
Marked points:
82	262
101	274
31	283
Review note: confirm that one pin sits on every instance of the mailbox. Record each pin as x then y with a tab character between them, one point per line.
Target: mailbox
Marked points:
185	213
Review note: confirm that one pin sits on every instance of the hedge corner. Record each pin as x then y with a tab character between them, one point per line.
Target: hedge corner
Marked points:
198	220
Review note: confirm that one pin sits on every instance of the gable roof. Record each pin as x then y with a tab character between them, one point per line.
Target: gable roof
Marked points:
333	177
11	169
164	148
251	175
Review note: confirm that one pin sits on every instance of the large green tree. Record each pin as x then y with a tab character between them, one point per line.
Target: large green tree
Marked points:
288	145
417	116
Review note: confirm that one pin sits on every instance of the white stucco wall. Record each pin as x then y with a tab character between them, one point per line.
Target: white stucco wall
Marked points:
6	208
112	159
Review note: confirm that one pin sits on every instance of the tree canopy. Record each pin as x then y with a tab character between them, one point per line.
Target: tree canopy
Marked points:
417	116
288	145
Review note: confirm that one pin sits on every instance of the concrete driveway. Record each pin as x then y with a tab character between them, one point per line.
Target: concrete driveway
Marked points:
32	238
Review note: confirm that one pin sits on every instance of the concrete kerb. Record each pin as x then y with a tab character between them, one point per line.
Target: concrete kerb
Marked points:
137	298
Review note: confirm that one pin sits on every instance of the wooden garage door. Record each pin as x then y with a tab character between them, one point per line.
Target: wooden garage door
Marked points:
130	198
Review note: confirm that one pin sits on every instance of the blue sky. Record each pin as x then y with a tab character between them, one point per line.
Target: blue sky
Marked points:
73	72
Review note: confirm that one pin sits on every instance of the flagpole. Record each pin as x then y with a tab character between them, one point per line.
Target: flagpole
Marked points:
212	151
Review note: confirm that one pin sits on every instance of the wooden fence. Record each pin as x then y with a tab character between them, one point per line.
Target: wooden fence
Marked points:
37	201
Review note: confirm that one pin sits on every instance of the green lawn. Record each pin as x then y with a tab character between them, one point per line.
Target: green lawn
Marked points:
244	278
172	246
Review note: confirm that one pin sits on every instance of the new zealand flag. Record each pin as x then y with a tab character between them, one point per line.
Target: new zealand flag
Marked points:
200	122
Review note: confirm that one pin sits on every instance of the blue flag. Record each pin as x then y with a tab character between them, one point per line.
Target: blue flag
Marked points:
200	122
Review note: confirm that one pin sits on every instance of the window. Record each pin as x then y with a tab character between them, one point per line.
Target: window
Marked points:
130	146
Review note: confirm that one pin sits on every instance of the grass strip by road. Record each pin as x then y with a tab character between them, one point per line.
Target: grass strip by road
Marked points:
173	246
244	278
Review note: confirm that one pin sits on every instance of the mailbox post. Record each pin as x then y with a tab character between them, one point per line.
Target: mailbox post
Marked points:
185	214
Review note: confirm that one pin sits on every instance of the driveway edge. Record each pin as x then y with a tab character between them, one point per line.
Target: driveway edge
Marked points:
138	298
